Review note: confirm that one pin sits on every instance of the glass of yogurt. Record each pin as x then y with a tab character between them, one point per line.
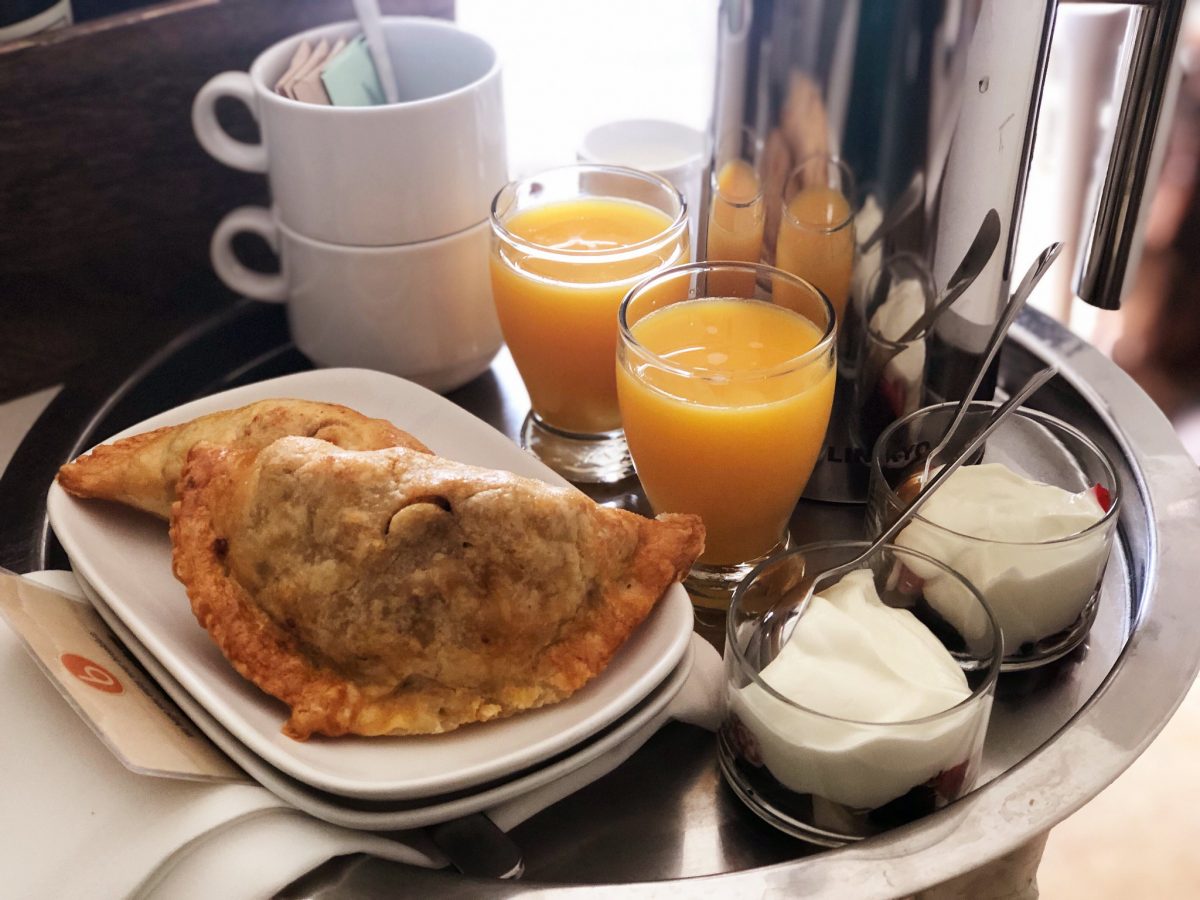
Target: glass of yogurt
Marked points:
861	710
889	373
1030	523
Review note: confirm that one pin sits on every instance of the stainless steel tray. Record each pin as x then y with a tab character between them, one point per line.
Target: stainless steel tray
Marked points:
1058	736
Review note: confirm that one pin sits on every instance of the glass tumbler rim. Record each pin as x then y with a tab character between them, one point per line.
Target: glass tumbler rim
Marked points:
851	199
1036	415
823	346
985	686
671	232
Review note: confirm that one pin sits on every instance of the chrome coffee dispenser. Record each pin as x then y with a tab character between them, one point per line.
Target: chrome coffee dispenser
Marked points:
928	111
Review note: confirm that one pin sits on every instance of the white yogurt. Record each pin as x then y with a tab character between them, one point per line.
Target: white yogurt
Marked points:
866	220
1025	553
853	657
905	304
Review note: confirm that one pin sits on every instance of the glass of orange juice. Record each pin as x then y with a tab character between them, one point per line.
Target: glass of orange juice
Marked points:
816	229
567	245
725	396
737	213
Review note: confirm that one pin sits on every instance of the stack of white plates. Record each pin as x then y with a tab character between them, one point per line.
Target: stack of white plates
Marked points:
123	560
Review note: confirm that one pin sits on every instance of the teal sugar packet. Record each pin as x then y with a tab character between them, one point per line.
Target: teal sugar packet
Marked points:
350	78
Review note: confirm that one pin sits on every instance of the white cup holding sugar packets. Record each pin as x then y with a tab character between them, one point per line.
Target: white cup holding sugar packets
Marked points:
423	168
423	311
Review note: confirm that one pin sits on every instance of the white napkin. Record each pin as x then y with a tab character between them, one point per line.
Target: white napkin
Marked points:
257	854
77	822
701	701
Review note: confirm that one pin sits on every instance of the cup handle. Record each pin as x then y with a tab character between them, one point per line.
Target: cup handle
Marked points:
215	139
256	285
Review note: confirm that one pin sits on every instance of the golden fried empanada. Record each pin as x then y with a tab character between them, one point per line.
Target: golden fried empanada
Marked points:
396	592
141	471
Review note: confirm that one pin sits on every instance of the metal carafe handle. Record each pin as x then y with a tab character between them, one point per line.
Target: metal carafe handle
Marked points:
1108	250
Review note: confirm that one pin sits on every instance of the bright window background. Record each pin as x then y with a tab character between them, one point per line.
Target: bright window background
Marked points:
570	65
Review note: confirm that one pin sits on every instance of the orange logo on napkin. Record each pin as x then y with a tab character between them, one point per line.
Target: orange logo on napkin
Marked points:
91	673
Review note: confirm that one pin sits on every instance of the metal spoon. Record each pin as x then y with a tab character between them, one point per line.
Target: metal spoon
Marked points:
476	846
778	637
905	204
1015	303
973	261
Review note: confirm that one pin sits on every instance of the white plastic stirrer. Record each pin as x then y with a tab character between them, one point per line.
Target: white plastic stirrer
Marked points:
372	26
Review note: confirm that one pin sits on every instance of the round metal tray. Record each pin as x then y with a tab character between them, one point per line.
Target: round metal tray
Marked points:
1058	735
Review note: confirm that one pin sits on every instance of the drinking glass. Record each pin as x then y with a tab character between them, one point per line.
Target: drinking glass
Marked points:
737	213
889	378
725	398
791	747
567	245
816	230
1044	593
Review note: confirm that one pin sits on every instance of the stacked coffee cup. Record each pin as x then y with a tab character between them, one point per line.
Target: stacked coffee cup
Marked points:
380	213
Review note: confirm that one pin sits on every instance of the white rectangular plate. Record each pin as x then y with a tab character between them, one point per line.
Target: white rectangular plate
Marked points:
126	556
631	730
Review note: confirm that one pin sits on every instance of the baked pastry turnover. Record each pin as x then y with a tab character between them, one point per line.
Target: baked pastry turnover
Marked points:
141	471
396	592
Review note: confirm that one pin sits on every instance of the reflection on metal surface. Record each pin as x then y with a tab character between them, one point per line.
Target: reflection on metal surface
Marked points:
942	96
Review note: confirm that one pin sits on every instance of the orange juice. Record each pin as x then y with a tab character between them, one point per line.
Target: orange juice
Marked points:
816	242
733	429
557	290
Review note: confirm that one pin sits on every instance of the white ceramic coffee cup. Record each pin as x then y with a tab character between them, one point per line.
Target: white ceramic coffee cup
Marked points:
399	173
671	150
422	311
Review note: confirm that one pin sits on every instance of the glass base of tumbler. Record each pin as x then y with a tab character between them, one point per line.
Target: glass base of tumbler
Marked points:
711	588
584	458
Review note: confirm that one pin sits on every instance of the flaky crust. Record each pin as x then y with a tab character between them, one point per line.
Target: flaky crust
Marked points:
142	470
393	592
